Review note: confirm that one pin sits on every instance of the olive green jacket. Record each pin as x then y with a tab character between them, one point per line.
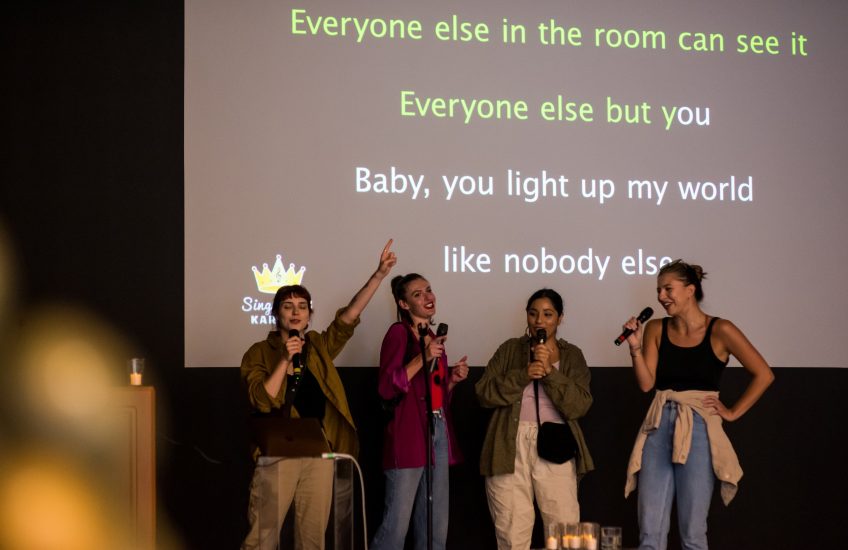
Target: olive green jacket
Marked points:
262	357
502	387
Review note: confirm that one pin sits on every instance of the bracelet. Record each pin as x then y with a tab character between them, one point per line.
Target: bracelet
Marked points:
633	351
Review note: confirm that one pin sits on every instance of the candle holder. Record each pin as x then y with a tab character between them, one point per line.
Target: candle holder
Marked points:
136	369
589	535
552	540
571	536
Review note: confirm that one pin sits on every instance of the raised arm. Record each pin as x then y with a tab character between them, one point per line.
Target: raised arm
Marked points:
360	299
735	343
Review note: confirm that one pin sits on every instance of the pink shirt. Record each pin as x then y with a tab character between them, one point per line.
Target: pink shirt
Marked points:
547	411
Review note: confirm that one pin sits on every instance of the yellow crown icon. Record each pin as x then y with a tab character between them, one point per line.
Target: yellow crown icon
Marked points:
270	280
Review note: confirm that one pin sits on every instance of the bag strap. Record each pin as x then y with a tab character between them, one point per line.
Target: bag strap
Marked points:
536	397
535	392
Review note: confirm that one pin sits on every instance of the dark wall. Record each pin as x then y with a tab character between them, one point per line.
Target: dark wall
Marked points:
92	199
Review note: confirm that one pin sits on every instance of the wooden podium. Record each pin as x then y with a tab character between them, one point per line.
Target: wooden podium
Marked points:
136	410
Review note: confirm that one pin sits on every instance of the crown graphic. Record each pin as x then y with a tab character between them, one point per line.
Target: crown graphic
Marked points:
269	280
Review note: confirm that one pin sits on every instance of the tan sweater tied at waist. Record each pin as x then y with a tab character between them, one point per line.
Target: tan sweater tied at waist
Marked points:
725	462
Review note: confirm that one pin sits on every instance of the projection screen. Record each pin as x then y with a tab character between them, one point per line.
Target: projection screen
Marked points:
510	146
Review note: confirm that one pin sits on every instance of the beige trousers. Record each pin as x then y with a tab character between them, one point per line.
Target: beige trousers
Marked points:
276	483
510	496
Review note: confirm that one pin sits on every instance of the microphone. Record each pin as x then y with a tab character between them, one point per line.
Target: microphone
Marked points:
644	316
441	332
541	336
296	357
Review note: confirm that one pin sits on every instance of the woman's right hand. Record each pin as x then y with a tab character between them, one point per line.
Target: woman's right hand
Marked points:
435	348
635	338
540	366
536	370
294	345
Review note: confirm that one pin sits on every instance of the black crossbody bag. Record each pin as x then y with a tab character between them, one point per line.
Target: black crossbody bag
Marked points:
555	442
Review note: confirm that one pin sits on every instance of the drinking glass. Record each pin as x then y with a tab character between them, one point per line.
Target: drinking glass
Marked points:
610	538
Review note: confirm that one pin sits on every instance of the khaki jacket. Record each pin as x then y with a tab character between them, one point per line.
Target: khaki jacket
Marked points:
502	387
259	361
725	463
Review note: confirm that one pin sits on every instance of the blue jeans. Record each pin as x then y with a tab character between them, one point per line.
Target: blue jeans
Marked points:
660	480
406	490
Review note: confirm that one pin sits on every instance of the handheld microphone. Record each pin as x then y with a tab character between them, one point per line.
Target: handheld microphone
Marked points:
441	332
541	338
644	316
296	357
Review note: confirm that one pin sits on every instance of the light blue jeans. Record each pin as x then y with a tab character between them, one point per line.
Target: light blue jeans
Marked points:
406	491
660	480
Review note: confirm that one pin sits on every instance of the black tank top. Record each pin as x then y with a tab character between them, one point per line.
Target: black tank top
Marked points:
695	368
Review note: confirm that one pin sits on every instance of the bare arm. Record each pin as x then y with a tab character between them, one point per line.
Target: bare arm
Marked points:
644	351
732	341
360	300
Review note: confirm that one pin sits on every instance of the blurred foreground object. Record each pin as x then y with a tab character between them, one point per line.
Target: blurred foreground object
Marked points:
77	471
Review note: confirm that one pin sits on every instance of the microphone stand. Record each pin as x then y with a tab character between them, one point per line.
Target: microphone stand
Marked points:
423	331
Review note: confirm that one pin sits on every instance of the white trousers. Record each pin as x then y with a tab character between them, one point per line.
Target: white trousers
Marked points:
510	496
308	482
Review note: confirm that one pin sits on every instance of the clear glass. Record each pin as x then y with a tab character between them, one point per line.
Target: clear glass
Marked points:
610	538
589	535
552	539
135	366
571	536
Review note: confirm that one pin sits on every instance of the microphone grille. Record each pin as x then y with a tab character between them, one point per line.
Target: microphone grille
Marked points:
541	335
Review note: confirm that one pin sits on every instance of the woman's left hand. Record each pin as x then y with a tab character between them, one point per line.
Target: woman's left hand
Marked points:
460	370
388	259
715	406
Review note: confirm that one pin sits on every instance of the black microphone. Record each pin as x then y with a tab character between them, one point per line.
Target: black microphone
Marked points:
644	316
541	336
296	357
440	332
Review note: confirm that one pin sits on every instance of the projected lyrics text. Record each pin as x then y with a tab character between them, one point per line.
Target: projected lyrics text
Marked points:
534	186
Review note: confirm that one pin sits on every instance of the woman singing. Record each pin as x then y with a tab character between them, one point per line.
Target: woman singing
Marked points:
402	385
514	471
267	369
681	448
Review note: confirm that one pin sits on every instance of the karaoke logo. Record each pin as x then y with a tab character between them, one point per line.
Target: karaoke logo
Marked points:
268	281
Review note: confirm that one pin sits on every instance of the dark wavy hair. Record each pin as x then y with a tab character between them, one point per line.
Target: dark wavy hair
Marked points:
289	291
690	274
551	295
